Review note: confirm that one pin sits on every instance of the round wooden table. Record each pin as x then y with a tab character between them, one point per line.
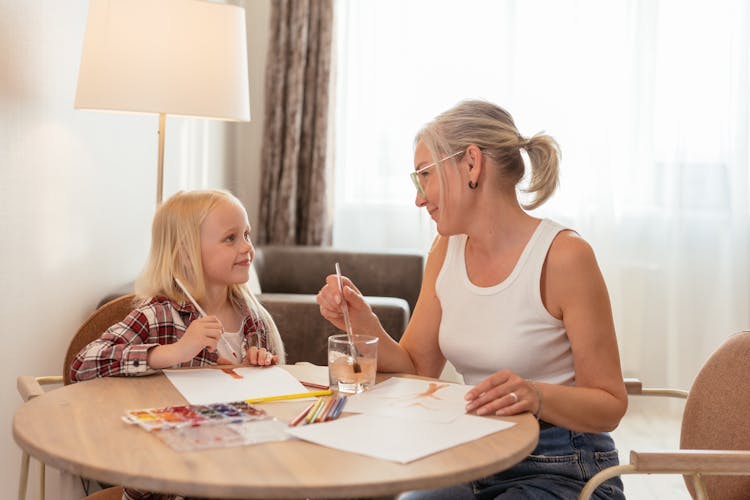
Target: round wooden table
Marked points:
78	428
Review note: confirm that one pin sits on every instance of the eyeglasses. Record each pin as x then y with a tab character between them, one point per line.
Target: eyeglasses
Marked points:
415	175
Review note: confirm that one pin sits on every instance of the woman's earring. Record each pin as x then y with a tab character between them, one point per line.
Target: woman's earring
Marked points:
473	185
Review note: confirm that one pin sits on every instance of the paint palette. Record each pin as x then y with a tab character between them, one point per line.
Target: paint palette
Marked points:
170	417
218	425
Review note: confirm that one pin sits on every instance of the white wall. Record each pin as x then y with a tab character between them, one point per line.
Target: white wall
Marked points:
245	177
77	188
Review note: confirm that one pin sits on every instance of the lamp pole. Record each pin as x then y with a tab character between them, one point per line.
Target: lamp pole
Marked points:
160	168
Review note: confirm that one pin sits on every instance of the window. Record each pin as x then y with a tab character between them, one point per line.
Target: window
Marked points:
650	102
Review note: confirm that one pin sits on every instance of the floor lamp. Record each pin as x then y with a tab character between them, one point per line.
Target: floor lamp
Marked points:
167	57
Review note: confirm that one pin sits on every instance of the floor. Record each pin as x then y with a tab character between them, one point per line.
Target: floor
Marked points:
650	425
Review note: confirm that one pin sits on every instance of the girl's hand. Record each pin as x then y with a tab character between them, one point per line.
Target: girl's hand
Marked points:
503	393
259	356
360	313
200	334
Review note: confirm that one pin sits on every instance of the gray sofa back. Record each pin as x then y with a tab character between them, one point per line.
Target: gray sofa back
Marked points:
299	269
291	276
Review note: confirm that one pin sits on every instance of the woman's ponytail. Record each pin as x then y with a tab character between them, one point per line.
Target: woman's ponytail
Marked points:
544	157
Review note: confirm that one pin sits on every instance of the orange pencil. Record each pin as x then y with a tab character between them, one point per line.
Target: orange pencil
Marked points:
302	415
326	409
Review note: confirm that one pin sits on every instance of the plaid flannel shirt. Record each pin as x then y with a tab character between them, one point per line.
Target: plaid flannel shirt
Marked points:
123	348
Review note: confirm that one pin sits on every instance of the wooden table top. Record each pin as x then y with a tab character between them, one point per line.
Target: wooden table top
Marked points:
78	428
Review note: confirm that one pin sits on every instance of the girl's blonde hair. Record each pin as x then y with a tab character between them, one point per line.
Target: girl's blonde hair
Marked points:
492	129
176	253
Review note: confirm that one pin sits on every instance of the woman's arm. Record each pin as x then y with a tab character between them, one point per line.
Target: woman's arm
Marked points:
574	291
418	351
420	340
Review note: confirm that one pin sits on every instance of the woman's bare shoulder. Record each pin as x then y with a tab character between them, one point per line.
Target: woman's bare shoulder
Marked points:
569	252
436	257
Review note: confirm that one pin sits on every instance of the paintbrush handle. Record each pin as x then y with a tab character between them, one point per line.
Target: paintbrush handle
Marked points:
203	314
347	321
190	297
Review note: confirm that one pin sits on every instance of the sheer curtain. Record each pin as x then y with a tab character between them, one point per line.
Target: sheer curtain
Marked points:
649	101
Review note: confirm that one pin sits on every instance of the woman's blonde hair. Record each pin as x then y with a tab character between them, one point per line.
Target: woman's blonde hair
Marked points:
492	129
176	253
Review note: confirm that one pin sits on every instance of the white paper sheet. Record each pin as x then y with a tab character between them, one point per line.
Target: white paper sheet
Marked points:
210	385
397	439
309	373
426	401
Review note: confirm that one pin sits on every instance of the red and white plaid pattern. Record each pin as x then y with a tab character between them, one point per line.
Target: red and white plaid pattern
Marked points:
123	348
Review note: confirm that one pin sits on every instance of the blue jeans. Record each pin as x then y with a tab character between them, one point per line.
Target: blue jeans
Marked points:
557	469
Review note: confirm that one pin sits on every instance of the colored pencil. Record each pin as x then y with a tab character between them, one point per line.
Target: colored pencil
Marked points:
313	413
330	402
296	420
314	385
282	397
339	408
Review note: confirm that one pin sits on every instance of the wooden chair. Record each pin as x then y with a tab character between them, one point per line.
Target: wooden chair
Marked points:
30	387
714	455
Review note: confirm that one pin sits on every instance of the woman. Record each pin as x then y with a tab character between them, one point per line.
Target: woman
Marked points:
517	304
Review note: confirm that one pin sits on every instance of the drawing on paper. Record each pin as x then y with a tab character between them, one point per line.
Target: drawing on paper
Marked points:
232	373
412	398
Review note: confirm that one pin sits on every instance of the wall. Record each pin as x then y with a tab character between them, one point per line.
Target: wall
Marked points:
245	177
77	189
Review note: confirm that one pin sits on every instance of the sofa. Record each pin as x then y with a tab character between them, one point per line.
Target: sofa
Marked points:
291	276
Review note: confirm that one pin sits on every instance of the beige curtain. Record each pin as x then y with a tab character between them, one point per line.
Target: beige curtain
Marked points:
293	205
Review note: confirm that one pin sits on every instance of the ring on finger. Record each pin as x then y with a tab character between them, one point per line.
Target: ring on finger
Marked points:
514	396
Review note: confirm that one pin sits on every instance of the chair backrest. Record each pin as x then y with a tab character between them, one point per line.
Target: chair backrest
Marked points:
716	412
105	316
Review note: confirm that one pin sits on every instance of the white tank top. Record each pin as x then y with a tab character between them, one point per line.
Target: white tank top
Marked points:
505	326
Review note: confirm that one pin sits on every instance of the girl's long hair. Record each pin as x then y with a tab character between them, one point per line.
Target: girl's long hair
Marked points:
176	253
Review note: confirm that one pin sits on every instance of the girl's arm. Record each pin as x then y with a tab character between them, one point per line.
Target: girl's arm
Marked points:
121	350
145	341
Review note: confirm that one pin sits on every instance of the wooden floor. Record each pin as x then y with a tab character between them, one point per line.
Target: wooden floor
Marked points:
650	424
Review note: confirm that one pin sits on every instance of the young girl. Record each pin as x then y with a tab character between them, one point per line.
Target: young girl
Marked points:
200	241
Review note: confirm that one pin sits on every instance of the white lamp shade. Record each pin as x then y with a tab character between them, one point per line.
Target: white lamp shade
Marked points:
176	57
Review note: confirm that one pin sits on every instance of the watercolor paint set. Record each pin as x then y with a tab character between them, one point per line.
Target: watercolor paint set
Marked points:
170	417
218	425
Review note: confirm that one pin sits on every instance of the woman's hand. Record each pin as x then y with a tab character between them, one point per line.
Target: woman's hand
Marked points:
361	316
504	393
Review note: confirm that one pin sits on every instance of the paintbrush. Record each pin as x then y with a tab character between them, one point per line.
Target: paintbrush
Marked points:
203	313
347	321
